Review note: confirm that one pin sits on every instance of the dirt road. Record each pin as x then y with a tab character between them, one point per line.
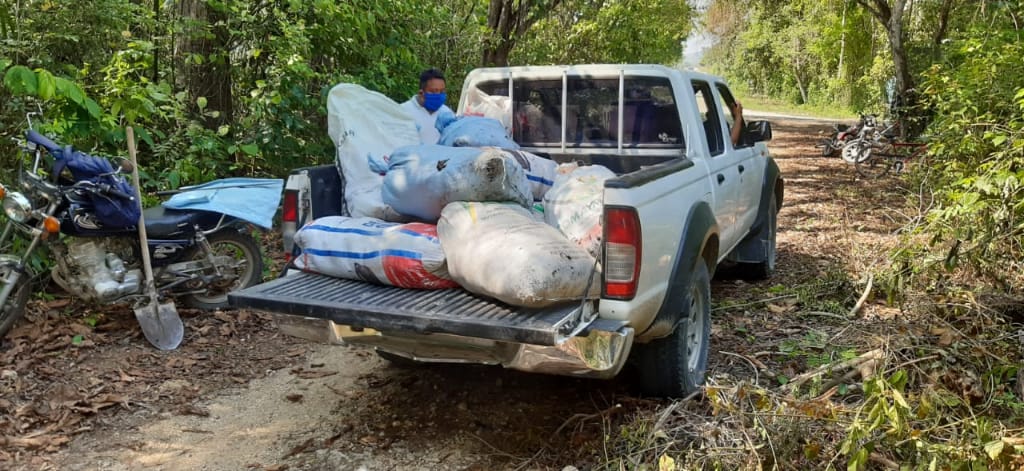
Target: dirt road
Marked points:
288	404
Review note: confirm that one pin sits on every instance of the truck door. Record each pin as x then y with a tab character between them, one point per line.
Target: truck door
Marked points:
723	164
749	165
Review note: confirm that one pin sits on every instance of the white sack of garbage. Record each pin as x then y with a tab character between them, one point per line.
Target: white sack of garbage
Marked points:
575	204
366	125
540	172
421	180
497	107
367	249
501	251
472	131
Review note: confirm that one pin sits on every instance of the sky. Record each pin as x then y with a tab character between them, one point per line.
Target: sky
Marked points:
699	41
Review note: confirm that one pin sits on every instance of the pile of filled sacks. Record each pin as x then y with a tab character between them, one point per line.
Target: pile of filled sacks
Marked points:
473	211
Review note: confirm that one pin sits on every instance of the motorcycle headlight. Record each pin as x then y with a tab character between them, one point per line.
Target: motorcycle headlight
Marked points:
17	207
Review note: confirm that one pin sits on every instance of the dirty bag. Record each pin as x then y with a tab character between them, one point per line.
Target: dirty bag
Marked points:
501	251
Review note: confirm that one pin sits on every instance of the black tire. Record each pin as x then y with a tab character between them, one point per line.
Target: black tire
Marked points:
674	366
827	147
875	166
14	308
764	269
249	270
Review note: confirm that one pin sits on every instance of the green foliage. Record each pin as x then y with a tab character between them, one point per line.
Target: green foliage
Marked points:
608	31
976	162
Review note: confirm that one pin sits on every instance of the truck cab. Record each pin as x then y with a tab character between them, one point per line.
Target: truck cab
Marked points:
685	199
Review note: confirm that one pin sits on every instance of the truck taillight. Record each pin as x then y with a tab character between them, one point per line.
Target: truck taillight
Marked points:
289	220
290	212
622	252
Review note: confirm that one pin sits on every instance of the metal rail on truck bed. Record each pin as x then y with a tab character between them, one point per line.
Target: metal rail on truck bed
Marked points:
387	308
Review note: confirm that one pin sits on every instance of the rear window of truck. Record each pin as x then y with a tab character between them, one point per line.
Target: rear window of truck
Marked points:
649	117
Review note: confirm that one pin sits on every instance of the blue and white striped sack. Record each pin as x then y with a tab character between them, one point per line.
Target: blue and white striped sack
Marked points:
371	250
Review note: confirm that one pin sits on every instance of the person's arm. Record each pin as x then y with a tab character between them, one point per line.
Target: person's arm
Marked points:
737	125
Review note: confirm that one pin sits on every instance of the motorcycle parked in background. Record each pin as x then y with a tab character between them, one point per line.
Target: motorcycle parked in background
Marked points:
198	256
841	135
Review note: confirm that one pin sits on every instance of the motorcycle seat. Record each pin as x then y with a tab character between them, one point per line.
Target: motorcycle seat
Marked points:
164	223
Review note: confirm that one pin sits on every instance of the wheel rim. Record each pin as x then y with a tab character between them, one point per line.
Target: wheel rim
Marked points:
241	268
695	330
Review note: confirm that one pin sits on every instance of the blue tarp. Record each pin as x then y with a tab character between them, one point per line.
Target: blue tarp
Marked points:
253	200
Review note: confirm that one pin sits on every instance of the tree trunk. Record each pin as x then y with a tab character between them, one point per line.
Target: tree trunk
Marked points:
891	17
842	43
204	60
507	21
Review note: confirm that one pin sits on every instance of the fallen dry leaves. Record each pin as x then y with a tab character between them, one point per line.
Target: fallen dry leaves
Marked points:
66	364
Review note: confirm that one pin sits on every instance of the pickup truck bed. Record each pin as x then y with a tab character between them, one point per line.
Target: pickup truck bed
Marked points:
386	308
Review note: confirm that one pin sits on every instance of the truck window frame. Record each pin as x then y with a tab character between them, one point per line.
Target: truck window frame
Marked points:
708	107
727	104
646	105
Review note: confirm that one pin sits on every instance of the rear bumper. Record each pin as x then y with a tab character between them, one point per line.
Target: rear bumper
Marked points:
599	351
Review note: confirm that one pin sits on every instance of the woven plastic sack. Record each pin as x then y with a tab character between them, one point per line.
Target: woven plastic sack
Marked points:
371	250
472	131
501	251
497	107
540	172
366	125
422	180
575	204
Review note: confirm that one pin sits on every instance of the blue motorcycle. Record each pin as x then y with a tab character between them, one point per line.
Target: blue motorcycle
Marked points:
88	220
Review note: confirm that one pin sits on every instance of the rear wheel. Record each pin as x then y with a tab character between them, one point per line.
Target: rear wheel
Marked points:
245	269
674	366
14	307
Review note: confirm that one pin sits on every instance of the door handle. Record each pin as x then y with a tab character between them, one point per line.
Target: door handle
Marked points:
721	178
742	169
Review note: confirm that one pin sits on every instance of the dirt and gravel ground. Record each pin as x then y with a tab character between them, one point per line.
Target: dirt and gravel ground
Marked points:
80	389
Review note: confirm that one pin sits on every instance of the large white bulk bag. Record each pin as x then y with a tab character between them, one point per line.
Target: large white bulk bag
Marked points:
540	172
501	251
367	249
575	204
422	179
366	125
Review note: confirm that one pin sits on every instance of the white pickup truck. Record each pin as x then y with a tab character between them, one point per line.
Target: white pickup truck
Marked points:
685	200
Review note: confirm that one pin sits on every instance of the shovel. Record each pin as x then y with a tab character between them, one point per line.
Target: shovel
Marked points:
160	322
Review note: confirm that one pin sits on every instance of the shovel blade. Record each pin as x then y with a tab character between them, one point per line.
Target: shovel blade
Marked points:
161	325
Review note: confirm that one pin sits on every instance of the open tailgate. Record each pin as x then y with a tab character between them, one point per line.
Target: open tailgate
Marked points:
390	309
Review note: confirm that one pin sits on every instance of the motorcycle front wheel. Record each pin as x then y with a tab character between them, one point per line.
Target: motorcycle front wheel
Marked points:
247	268
14	307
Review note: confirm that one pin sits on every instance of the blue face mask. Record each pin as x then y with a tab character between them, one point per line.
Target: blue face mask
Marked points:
433	101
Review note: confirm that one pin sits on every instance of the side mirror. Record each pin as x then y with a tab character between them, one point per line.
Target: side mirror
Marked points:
758	131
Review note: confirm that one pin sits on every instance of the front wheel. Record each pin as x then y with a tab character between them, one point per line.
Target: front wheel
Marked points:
875	166
244	270
674	366
828	147
14	306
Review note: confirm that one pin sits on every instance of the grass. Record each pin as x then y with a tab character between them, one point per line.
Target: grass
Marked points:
762	103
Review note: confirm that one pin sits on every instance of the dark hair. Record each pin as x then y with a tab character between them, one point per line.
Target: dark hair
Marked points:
429	75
